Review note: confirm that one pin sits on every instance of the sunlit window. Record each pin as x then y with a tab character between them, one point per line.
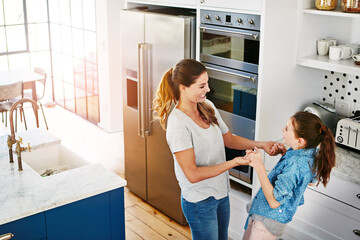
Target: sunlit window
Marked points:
13	37
24	38
58	36
74	56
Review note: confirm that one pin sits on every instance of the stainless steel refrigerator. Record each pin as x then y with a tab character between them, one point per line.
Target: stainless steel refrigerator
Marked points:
153	41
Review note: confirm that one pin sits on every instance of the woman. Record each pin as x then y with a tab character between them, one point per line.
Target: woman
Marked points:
197	135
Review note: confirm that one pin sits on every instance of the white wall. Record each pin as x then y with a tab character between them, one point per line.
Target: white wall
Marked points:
109	62
284	87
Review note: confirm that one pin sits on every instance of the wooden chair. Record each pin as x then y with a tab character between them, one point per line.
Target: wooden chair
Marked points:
9	94
41	84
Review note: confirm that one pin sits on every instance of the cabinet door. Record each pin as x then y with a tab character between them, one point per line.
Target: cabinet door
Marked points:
117	213
84	219
29	228
238	214
326	218
341	190
250	5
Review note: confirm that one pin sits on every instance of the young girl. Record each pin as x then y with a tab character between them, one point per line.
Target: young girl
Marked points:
282	190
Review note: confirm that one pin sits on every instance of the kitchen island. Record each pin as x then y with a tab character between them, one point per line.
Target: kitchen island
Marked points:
82	203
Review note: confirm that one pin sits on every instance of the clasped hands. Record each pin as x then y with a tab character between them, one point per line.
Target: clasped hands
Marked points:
253	157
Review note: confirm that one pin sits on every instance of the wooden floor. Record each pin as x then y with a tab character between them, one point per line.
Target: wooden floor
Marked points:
145	222
88	140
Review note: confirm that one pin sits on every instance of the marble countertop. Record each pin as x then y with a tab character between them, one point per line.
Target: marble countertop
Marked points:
347	164
26	193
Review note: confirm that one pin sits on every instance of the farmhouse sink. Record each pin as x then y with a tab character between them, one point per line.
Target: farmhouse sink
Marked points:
52	159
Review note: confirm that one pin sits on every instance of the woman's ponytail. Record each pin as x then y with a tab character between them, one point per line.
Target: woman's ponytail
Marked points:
325	159
164	99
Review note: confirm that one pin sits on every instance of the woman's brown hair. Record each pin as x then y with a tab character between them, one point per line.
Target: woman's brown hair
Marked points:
185	72
310	127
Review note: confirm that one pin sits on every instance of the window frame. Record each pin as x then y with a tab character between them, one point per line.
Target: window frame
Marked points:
25	27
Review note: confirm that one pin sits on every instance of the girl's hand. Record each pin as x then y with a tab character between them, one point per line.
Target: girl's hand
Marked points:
254	157
241	161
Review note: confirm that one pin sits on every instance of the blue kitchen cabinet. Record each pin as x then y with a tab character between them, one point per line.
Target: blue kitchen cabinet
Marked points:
29	228
97	217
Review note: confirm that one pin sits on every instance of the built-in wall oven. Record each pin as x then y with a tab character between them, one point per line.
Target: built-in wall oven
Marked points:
229	48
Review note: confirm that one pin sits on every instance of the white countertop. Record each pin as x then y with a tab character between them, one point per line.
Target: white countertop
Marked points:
26	193
347	164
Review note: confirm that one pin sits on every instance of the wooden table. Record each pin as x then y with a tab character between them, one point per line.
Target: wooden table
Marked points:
28	77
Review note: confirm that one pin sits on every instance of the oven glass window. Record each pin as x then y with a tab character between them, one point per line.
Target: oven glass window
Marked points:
230	47
233	98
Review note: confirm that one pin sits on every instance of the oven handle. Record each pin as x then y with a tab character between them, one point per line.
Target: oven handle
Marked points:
254	36
235	74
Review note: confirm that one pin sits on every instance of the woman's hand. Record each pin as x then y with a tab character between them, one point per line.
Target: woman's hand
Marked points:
270	148
241	161
279	148
254	157
274	148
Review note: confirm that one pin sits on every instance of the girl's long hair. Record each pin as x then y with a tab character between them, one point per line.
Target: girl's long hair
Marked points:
167	95
310	127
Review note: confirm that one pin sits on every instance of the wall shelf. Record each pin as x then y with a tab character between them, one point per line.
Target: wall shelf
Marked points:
335	13
324	63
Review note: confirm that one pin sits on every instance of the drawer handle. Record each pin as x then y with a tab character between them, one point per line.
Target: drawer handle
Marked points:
7	236
358	195
356	232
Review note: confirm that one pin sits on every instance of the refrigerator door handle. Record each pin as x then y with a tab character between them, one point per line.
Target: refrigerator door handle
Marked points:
139	91
144	68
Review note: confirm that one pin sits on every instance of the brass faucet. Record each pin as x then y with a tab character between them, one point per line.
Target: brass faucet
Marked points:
20	149
11	138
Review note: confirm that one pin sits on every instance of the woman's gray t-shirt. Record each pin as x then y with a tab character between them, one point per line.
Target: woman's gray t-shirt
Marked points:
183	133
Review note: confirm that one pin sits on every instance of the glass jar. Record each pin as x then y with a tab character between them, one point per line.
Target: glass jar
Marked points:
352	6
326	4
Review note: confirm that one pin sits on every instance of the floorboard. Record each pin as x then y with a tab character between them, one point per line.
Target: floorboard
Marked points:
140	228
154	223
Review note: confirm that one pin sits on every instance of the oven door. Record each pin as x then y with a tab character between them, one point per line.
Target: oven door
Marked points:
230	47
243	172
233	93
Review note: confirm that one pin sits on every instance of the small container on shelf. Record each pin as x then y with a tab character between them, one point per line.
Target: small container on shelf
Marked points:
350	6
326	4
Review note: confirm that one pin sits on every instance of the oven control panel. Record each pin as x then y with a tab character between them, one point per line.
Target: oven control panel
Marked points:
236	20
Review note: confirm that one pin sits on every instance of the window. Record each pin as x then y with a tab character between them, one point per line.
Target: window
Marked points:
74	56
60	37
24	35
13	28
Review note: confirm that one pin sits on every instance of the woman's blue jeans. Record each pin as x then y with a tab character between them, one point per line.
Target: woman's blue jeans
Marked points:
208	219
